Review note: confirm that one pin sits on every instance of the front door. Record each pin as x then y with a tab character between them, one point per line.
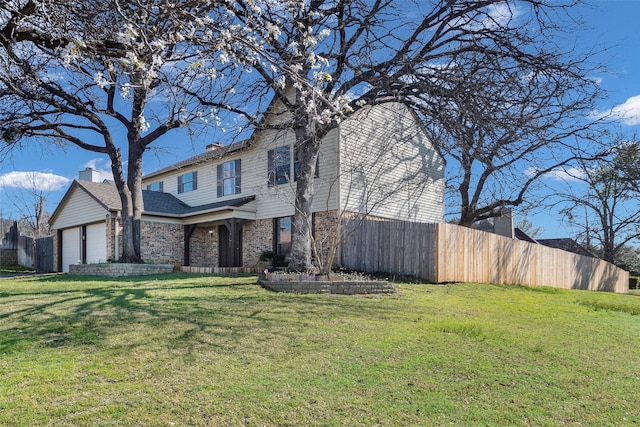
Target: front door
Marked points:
230	243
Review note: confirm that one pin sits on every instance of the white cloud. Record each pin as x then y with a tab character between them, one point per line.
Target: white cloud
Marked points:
561	174
629	111
501	14
493	16
41	181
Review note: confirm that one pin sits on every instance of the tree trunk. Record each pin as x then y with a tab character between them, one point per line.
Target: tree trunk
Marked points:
307	147
134	181
129	253
128	247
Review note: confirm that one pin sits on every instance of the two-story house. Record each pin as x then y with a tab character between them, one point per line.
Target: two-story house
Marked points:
229	204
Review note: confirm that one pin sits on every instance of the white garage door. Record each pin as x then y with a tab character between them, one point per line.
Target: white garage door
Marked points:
96	243
71	247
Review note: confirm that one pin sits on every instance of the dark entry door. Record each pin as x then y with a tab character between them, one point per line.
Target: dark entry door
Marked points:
230	244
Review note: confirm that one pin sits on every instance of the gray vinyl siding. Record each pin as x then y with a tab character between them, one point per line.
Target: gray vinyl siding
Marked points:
271	202
389	168
278	200
374	153
80	209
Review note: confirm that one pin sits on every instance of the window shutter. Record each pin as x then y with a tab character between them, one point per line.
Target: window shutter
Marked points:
195	180
161	186
238	177
180	189
271	173
219	175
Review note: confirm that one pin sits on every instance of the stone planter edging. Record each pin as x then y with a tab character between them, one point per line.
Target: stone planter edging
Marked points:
119	269
330	287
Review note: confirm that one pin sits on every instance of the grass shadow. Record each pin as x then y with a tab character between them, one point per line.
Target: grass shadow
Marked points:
194	310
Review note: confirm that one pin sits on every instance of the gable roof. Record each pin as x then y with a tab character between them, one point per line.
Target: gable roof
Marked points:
154	202
521	235
105	195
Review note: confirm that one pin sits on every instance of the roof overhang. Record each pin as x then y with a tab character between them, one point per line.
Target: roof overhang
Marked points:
246	211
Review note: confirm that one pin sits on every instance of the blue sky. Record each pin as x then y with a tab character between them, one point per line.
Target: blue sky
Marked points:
612	24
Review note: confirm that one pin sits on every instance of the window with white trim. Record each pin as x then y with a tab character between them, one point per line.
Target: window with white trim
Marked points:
156	186
188	182
229	177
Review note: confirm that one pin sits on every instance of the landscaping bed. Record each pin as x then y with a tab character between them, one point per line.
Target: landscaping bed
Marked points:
117	269
324	284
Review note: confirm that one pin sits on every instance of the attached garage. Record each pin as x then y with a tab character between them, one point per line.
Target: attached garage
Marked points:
86	244
96	243
71	247
81	221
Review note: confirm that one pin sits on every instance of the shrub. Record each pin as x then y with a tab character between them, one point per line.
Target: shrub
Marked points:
276	260
634	282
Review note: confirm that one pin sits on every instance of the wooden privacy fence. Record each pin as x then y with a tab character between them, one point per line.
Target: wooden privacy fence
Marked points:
26	251
441	253
43	255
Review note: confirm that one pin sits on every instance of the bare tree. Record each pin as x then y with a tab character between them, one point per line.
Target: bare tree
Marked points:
602	200
506	122
452	61
29	201
310	62
107	77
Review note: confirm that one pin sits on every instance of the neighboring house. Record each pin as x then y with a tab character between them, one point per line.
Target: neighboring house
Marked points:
226	206
503	225
567	244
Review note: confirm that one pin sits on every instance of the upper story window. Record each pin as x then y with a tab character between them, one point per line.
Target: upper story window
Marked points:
188	182
156	186
229	178
280	166
279	163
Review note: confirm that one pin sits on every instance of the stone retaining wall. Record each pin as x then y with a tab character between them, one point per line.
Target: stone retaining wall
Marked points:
220	270
119	269
326	287
8	257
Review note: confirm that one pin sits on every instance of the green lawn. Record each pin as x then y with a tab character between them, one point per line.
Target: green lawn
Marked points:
194	350
14	269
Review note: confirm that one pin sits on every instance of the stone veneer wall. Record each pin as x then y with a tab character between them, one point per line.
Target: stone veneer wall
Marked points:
257	237
326	287
8	256
119	270
162	243
112	225
325	232
204	247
